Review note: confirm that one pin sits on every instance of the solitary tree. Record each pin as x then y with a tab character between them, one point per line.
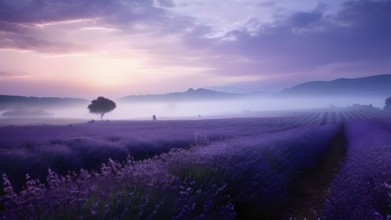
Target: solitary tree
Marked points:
101	106
388	104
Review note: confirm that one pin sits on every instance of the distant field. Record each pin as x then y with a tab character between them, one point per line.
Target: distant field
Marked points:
304	165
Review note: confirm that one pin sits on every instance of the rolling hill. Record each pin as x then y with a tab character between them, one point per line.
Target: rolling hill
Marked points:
378	85
189	95
23	102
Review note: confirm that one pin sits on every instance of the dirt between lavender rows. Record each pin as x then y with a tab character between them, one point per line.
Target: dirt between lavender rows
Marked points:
311	187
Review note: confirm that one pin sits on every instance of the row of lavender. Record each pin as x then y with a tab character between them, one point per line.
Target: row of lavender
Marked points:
32	149
245	177
362	188
338	116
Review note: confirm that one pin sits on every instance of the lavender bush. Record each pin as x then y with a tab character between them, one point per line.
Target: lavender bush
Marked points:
32	149
259	170
238	178
361	190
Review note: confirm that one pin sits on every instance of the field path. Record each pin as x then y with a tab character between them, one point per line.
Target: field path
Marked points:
311	187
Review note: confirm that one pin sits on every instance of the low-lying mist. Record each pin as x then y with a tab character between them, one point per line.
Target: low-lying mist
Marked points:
215	108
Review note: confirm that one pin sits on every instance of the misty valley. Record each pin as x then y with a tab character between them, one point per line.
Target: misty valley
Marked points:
203	155
195	103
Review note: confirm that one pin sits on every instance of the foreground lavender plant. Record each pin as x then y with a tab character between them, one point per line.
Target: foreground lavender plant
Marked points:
237	178
258	169
32	149
361	189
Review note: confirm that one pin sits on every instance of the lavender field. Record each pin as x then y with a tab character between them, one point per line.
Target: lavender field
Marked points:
319	164
195	110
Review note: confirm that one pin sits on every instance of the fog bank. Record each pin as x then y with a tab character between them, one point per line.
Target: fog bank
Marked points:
199	109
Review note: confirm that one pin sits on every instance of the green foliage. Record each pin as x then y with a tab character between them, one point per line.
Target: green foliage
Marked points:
101	106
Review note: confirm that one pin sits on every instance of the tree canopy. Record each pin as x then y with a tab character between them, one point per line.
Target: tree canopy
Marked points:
101	106
388	104
388	101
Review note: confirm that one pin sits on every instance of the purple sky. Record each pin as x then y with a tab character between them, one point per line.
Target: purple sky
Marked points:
87	48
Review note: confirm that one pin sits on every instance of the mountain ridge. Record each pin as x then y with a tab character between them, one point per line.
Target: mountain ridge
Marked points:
377	85
200	94
17	102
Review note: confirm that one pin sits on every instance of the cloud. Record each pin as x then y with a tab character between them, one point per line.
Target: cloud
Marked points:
4	74
305	19
12	27
113	12
30	43
267	4
303	42
23	23
165	3
246	38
